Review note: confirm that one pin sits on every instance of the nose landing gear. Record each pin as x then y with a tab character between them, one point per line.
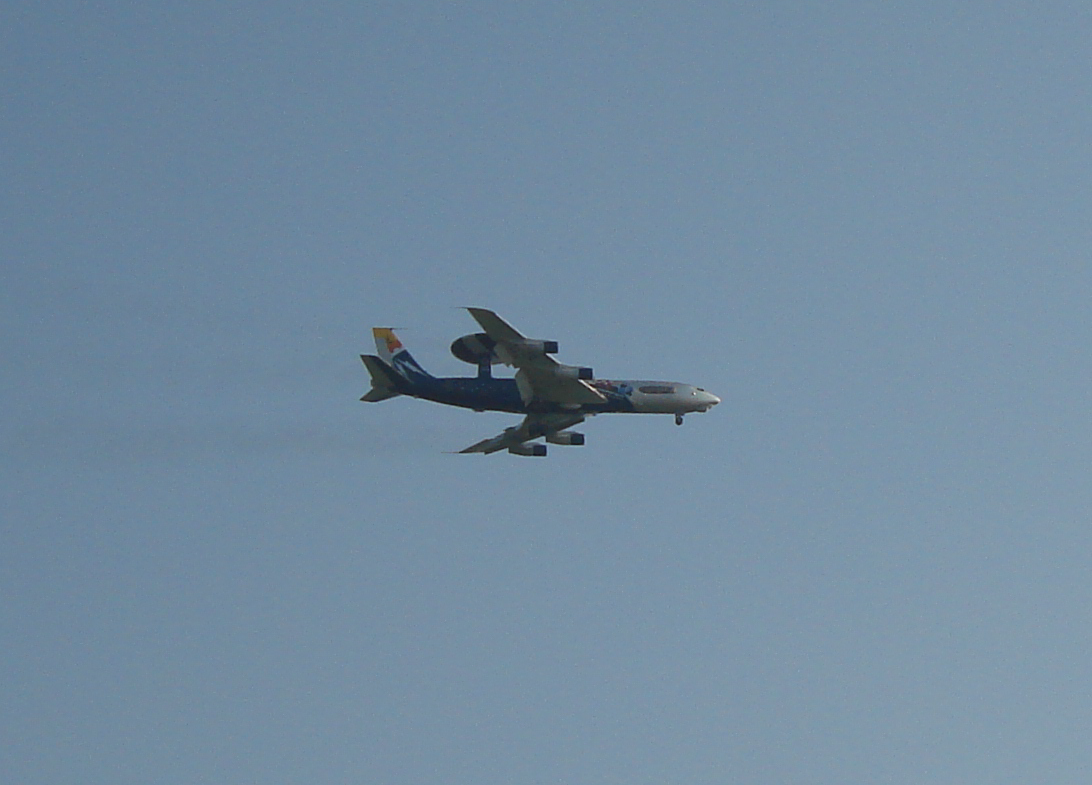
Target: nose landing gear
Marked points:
678	419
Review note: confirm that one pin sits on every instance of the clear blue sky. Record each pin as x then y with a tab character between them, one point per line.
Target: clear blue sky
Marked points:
867	227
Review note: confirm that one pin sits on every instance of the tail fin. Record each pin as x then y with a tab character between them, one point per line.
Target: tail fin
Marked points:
384	385
394	354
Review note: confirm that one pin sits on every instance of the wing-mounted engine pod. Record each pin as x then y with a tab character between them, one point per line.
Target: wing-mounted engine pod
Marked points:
533	450
476	349
538	347
575	372
573	438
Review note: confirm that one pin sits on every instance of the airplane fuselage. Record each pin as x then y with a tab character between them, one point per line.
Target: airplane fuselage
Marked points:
503	395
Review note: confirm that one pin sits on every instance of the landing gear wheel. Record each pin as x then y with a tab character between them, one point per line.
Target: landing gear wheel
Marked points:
678	419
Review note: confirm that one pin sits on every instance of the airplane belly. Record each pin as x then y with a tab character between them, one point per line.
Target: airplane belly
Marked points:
654	404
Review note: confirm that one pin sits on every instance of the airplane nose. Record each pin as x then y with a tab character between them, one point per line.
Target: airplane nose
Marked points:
706	400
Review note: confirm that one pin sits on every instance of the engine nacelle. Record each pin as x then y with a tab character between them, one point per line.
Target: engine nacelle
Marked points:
476	349
538	347
535	450
575	372
571	438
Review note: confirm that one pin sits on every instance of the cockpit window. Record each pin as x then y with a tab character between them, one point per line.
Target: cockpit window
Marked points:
657	389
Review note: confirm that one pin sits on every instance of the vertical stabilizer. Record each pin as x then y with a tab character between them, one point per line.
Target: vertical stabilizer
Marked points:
394	354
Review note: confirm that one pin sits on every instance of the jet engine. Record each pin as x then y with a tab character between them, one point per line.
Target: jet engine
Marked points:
531	347
575	372
536	450
566	437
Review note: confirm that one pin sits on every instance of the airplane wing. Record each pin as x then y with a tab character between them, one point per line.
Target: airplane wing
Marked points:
539	376
532	427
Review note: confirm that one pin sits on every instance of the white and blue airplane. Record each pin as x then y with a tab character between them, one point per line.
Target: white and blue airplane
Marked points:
553	396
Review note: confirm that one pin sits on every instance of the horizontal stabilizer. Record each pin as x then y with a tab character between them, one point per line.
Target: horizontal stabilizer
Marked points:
375	396
384	384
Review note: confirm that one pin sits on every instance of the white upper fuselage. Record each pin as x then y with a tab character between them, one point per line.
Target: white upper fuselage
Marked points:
650	397
654	397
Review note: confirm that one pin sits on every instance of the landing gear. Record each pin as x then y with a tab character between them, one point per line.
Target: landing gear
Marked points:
678	419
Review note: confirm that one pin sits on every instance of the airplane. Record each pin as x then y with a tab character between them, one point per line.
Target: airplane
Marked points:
552	396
